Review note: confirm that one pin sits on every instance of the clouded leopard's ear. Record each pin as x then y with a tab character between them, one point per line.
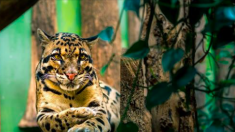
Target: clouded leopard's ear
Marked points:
91	41
44	38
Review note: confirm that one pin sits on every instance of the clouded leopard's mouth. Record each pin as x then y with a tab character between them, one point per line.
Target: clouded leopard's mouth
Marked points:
70	86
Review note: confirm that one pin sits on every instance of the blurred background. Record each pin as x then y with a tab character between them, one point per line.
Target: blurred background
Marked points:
20	52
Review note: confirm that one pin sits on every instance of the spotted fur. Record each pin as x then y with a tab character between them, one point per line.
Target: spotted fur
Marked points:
70	96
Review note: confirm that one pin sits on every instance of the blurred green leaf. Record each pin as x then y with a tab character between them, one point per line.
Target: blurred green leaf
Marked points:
224	36
170	8
223	62
106	34
217	126
203	119
184	75
202	114
127	127
214	128
224	16
228	82
138	50
171	57
103	69
230	46
228	107
224	54
218	115
174	2
132	5
158	94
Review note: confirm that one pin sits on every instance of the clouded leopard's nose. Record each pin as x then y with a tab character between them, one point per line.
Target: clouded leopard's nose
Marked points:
71	76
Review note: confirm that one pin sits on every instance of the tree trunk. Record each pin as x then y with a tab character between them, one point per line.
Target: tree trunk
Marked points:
43	17
96	16
173	114
133	28
136	111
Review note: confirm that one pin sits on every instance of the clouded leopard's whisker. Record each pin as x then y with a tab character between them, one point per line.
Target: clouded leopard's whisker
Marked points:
46	76
88	76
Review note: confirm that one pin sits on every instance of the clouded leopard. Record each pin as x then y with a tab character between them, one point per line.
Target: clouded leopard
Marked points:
70	96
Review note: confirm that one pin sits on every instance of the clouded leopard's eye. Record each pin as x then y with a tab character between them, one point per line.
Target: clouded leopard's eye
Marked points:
83	57
56	57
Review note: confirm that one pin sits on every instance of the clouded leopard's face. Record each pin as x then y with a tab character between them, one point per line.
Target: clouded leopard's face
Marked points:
66	60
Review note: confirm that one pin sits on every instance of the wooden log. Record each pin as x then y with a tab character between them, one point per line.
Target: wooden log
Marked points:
43	17
12	9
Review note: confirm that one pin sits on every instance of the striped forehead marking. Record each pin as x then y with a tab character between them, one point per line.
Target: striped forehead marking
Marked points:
67	39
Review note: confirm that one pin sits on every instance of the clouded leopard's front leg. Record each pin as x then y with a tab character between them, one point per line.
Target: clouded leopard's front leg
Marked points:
51	121
98	123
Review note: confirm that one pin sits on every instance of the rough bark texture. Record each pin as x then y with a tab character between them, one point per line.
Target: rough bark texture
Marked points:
137	112
96	16
46	22
13	9
133	27
173	114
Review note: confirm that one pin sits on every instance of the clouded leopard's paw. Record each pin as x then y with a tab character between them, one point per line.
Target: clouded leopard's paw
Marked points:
82	112
83	128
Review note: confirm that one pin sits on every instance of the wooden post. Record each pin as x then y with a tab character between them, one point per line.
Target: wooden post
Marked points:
96	16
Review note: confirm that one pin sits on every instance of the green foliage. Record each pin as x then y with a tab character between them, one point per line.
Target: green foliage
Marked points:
158	94
174	2
224	54
224	62
203	118
227	82
138	50
106	34
103	69
228	107
170	8
184	75
171	57
127	127
215	128
224	16
132	5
